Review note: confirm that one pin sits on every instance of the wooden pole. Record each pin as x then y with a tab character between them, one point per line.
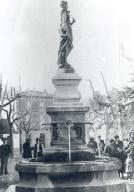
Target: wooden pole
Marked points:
106	115
92	88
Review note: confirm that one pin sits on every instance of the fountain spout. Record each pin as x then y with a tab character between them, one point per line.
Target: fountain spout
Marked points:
69	125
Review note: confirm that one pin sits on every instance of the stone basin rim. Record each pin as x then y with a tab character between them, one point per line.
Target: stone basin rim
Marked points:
54	167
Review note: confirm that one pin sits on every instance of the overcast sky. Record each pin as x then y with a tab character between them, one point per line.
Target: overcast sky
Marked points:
29	42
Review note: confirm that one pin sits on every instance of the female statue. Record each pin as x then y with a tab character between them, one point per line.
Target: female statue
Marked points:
66	37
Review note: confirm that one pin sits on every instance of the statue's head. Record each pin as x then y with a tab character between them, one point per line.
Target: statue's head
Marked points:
64	5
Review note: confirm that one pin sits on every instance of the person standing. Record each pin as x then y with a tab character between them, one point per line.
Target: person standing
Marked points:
129	166
125	143
101	146
110	149
92	144
117	140
130	150
38	149
5	150
27	149
121	154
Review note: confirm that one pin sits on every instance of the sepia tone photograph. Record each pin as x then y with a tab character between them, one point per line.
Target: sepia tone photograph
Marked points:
66	96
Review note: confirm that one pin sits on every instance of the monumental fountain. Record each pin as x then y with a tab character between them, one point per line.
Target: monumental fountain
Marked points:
68	165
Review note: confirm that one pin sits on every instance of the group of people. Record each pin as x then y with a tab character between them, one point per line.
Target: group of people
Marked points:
123	150
97	146
36	151
5	151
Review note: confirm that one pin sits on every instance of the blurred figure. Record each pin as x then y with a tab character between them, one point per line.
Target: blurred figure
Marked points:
92	144
125	143
5	150
129	166
110	149
1	142
101	146
27	150
38	148
122	156
130	151
117	140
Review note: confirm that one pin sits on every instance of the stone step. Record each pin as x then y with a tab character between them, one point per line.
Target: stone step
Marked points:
65	145
62	143
72	139
65	142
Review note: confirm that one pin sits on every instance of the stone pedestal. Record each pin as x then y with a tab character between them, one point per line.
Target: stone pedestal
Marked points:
59	115
67	105
67	92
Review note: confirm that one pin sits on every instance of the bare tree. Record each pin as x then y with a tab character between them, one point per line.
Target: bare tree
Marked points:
24	125
11	115
4	102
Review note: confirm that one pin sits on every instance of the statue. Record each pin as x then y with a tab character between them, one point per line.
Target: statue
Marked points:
66	38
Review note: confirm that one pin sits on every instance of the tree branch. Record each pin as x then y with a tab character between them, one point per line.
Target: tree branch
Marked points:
6	111
10	101
17	118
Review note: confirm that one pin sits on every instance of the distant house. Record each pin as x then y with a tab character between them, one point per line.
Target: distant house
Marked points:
36	102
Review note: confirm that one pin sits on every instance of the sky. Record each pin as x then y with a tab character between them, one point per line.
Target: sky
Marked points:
29	41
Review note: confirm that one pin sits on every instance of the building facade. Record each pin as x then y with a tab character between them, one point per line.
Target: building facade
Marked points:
35	103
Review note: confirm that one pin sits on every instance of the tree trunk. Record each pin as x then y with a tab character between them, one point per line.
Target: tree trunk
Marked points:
11	141
20	141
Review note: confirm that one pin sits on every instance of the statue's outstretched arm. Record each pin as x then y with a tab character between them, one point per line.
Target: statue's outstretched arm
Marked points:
71	23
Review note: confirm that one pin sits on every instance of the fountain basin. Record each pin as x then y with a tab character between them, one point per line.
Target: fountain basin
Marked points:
61	155
99	175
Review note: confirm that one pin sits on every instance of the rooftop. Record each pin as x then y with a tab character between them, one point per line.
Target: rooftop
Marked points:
34	93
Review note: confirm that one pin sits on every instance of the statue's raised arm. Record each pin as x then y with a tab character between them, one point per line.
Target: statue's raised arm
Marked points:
66	38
